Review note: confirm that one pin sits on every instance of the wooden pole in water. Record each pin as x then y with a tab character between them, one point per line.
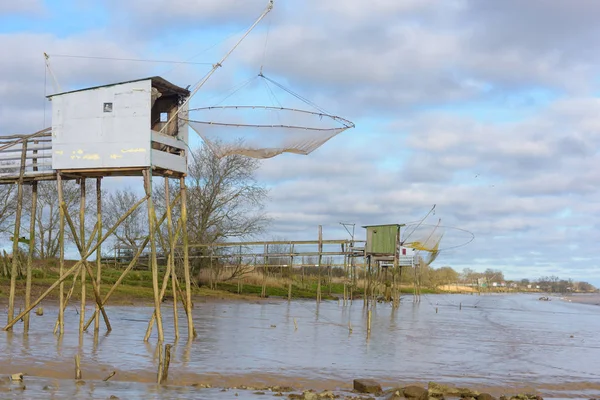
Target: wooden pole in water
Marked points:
166	363
159	375
77	366
186	260
61	244
34	197
76	267
153	260
369	323
85	253
15	258
291	272
164	285
99	250
132	263
43	296
320	263
171	258
82	238
67	298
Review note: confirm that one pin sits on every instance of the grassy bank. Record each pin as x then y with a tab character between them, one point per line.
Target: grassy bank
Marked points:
137	286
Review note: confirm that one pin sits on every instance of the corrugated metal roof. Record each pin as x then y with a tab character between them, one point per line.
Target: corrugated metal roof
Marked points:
157	81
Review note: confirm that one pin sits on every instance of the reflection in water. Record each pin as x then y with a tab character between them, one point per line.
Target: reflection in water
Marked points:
494	340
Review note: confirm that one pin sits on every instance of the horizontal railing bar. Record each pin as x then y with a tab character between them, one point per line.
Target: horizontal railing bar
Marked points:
288	242
28	157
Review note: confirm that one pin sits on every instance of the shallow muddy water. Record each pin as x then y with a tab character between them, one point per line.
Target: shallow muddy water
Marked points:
503	343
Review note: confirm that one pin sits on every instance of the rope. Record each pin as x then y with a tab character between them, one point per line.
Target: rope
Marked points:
218	65
205	50
45	92
266	41
236	89
346	124
416	227
452	227
296	95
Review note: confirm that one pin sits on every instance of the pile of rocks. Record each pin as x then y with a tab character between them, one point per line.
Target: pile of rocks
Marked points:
435	391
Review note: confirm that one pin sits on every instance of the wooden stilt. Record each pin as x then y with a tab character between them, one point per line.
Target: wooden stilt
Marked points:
77	367
153	260
263	292
186	260
99	250
163	288
76	267
129	267
43	296
160	363
61	244
166	363
320	262
172	256
67	298
17	230
84	257
82	238
34	197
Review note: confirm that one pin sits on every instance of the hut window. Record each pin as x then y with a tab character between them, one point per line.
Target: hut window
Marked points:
164	117
108	107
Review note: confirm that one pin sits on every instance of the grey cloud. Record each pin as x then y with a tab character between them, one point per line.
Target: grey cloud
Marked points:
22	90
389	56
156	17
28	7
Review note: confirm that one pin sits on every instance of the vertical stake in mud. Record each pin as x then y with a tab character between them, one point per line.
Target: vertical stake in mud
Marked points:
186	260
153	260
99	250
82	239
61	244
15	255
171	258
34	196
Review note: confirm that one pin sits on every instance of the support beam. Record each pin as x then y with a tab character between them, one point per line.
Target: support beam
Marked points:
126	271
34	197
153	260
83	245
15	253
61	244
171	259
186	260
43	296
99	250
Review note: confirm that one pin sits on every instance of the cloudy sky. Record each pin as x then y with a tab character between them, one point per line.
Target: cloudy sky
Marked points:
486	109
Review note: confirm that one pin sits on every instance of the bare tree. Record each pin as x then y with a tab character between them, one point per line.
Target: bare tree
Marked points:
48	215
224	199
7	208
134	229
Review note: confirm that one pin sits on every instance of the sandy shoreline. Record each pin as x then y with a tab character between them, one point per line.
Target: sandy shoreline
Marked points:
264	381
587	298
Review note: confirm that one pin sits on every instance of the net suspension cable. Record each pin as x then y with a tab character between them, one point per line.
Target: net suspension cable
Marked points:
219	64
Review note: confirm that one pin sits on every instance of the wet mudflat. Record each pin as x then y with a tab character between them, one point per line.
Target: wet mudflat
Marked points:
498	343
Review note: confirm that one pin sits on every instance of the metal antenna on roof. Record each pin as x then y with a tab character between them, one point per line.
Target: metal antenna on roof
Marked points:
219	64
